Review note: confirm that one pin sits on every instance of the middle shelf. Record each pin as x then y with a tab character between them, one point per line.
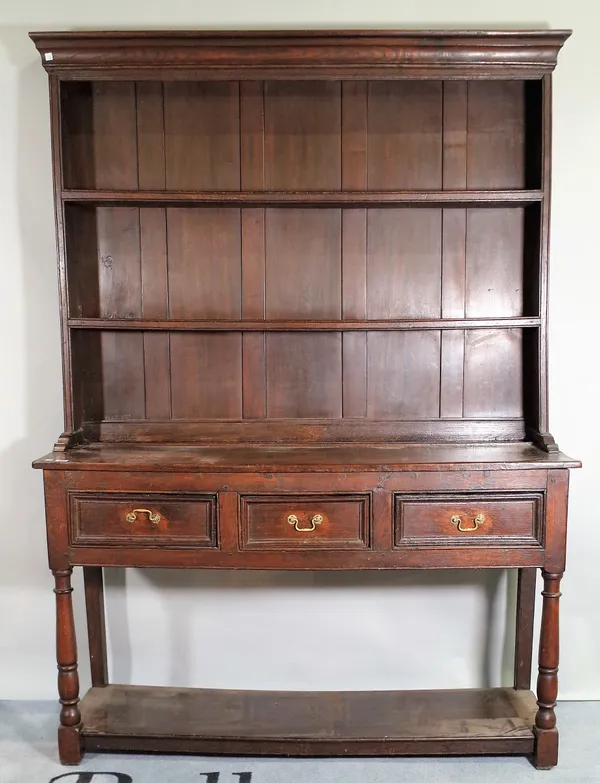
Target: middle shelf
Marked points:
406	324
293	268
342	198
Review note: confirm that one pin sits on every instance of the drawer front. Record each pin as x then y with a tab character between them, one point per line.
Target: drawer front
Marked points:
305	522
134	520
467	520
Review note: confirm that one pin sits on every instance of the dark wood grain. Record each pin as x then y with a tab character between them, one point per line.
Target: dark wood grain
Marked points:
304	376
202	147
68	677
350	457
73	102
114	135
524	627
310	724
85	351
253	256
204	276
122	375
403	375
303	264
303	281
150	120
493	374
494	289
123	520
252	136
546	751
432	430
515	520
206	375
155	304
82	261
119	272
454	248
541	408
354	298
353	196
319	522
404	135
323	54
94	608
302	135
496	135
403	263
290	325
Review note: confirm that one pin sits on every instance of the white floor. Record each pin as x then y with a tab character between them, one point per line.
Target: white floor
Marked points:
28	755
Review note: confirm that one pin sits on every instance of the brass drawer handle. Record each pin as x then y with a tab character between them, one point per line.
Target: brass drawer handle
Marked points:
316	520
478	520
132	516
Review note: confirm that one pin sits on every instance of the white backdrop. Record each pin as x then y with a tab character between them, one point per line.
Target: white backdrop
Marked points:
287	630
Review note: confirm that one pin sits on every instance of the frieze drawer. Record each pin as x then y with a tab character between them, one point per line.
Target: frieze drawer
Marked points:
468	520
305	522
134	520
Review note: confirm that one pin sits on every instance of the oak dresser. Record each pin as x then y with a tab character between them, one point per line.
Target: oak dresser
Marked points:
303	285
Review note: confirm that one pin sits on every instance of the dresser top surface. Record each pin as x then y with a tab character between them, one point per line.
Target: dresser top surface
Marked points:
309	458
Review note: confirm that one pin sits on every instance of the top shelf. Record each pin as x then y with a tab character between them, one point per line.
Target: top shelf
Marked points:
457	198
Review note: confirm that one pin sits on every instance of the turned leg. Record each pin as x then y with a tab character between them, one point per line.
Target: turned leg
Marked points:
69	748
546	746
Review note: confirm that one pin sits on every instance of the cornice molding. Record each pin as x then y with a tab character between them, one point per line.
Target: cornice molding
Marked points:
301	54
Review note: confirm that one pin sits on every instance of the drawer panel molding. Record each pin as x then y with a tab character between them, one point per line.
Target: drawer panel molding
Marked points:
273	522
506	519
111	519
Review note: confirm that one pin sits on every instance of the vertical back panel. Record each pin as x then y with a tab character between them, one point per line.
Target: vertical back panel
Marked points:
302	135
82	261
206	375
202	135
496	134
252	174
77	133
453	306
303	263
120	275
454	230
354	248
86	376
404	263
204	262
493	373
150	135
403	375
405	135
153	246
304	375
252	135
494	263
123	380
354	277
253	307
115	135
153	242
155	303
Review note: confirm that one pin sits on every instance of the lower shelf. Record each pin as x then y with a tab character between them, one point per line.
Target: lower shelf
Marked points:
290	723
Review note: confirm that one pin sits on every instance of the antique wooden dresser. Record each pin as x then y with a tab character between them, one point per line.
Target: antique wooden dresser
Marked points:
303	283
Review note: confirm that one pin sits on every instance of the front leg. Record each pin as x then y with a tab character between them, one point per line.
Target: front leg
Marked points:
546	746
69	746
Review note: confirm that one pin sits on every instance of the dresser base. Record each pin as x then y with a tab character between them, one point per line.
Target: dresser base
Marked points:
289	723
